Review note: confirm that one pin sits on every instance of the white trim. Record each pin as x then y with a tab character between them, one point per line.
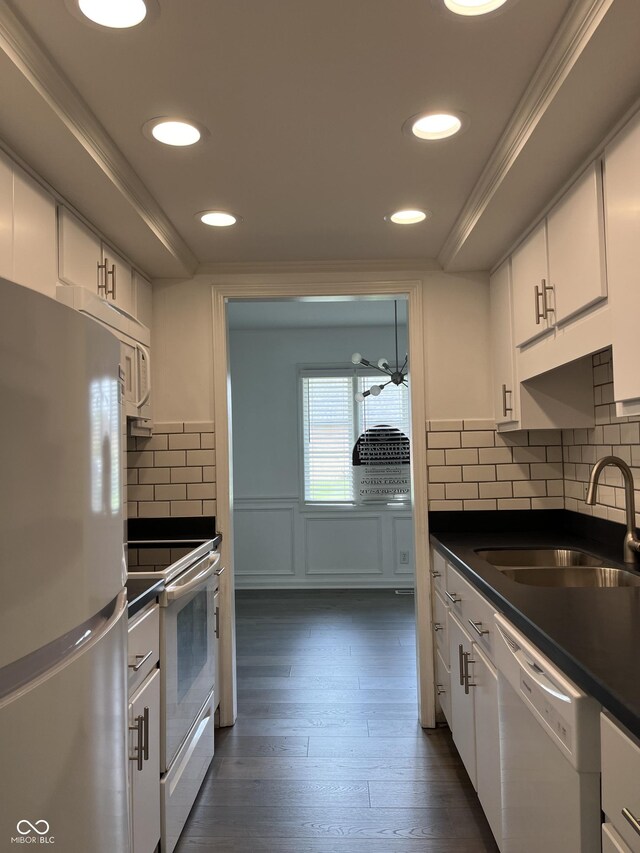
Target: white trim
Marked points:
261	289
412	265
571	39
57	92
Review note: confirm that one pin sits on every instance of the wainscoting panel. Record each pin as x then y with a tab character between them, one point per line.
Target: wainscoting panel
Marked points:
339	545
281	543
264	540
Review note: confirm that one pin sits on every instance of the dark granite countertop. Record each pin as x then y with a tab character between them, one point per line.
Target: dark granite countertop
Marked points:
141	592
592	634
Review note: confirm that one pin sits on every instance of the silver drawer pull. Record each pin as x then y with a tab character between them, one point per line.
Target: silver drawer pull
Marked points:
141	661
467	661
477	627
461	663
437	626
139	728
218	572
440	689
630	818
435	574
454	599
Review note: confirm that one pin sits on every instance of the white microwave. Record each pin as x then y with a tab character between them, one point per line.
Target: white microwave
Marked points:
135	353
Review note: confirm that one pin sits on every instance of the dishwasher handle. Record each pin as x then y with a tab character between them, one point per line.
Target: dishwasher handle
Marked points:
531	668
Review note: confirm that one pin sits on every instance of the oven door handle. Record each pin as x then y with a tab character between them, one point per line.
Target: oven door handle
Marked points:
179	588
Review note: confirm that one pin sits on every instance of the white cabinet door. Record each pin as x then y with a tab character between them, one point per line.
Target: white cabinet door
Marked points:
620	773
6	219
485	681
443	687
530	282
216	642
462	697
143	299
575	239
119	285
622	214
34	235
79	252
502	353
145	778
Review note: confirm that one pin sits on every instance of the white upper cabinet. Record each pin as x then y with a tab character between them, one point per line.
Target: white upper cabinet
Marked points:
6	219
622	213
34	235
575	240
531	289
84	260
143	297
505	387
79	252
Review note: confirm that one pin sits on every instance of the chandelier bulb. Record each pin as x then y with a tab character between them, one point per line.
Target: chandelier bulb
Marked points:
375	390
359	397
383	363
356	358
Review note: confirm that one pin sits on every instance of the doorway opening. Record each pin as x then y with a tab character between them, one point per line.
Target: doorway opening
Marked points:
304	557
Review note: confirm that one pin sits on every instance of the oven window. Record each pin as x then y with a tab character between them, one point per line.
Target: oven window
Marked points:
192	642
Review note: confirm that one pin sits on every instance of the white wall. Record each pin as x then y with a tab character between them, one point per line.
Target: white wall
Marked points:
265	397
456	322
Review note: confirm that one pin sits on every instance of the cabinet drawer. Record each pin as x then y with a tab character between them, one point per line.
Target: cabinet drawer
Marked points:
478	618
440	624
620	773
443	686
472	609
143	646
611	841
438	570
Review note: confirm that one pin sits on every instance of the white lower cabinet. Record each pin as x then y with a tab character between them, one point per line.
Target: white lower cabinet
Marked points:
144	764
462	696
443	687
485	689
620	789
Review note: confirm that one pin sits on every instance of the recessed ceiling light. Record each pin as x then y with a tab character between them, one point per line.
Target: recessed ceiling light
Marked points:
217	218
436	126
173	131
407	217
473	7
118	14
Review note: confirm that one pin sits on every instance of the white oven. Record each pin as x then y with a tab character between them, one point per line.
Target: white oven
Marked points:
188	631
187	650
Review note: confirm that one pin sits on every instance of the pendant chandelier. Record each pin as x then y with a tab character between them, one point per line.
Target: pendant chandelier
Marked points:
397	375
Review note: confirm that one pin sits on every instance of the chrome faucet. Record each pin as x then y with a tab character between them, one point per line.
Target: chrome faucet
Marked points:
631	542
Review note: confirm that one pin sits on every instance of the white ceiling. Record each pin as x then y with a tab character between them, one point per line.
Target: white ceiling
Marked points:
316	314
305	100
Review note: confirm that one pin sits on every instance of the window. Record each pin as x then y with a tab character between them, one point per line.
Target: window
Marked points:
332	422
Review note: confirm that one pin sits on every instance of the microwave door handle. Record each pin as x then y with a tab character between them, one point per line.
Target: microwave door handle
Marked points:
146	394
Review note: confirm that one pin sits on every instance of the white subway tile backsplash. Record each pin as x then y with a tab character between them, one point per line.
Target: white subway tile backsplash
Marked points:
173	472
479	473
465	456
461	490
513	472
484	504
445	474
435	457
495	455
478	438
445	426
496	490
443	439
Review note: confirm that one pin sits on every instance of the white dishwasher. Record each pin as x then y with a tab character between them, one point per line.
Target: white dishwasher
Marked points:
549	753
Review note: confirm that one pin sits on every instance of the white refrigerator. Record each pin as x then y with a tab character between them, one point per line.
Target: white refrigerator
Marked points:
63	617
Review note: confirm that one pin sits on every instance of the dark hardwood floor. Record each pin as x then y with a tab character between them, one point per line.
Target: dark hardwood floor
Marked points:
327	755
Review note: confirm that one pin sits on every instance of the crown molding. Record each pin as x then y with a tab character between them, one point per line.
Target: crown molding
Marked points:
30	58
304	267
573	35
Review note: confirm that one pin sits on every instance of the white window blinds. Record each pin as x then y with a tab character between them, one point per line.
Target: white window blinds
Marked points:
328	438
332	422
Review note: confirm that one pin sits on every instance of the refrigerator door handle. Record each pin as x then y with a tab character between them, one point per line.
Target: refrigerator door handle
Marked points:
28	672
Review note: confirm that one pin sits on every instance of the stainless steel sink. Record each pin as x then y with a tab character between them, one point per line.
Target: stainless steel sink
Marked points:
547	557
572	576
